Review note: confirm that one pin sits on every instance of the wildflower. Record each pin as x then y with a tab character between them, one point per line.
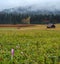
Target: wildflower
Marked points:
22	53
12	55
12	52
18	46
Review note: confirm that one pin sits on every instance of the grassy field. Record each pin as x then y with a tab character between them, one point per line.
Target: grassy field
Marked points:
32	45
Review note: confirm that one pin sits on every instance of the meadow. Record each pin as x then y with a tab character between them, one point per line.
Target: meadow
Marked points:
32	45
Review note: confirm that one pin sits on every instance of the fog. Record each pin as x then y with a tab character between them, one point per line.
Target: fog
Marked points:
5	4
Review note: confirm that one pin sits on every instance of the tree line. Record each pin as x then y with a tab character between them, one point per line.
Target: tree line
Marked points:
10	18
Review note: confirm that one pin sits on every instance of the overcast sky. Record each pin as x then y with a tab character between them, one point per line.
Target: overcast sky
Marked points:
15	3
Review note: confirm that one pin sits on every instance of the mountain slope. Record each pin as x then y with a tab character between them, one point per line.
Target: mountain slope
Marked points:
32	10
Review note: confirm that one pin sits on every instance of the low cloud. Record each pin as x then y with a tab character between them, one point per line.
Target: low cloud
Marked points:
39	3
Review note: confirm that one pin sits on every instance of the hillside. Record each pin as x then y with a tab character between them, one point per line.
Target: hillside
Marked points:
32	10
20	15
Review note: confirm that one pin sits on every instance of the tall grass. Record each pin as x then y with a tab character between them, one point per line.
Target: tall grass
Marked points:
30	46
